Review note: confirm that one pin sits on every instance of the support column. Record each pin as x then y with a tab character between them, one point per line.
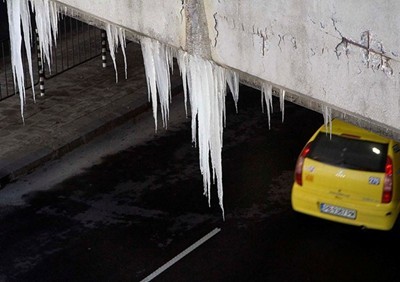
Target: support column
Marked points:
40	65
104	48
197	39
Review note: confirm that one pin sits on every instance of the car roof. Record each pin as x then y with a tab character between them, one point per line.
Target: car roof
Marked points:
340	127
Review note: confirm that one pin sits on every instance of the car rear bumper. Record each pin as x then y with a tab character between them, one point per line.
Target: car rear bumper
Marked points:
380	217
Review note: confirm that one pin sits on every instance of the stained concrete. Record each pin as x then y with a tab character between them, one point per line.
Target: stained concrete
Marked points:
343	55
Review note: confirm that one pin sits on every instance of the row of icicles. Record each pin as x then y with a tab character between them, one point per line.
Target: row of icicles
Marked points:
204	82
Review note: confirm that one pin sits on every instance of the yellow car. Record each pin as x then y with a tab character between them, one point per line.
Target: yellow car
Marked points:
349	175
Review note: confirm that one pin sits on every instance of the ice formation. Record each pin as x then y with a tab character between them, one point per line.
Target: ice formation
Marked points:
46	17
18	15
204	85
233	82
282	103
327	113
207	83
207	90
182	58
266	97
116	37
158	60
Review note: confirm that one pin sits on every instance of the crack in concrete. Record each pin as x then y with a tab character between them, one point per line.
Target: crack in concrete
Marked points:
216	30
294	42
311	20
280	40
334	21
345	46
182	9
264	36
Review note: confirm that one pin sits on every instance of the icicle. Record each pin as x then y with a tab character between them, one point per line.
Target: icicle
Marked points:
46	17
233	82
207	91
116	36
282	103
16	10
327	113
182	63
162	61
122	41
27	31
266	96
157	60
112	40
170	56
14	18
150	75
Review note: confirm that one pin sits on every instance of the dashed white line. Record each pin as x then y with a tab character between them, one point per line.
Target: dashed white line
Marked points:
181	255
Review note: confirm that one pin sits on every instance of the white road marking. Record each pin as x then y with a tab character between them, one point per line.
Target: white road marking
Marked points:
181	255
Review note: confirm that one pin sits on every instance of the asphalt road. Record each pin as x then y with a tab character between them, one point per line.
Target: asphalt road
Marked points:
126	204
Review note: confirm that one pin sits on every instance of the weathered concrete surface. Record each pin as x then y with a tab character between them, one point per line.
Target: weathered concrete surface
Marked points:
160	19
340	54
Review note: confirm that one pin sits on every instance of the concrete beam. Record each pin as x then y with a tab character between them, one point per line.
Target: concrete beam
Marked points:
342	54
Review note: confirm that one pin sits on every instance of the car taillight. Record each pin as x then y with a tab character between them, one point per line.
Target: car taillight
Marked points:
299	164
388	182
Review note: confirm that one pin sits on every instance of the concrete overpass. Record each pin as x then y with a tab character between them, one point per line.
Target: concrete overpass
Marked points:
340	58
337	55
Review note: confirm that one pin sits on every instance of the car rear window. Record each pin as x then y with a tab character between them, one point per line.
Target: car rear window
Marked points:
349	152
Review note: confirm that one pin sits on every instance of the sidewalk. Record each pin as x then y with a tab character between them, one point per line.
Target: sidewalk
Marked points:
78	105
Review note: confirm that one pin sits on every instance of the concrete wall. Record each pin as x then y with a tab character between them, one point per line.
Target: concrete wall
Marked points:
343	54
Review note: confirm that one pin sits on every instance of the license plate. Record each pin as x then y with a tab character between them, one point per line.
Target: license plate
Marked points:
339	211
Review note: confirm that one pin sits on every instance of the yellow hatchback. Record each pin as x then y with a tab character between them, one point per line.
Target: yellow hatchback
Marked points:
349	175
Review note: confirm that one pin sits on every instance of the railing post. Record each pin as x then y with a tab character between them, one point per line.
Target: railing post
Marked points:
103	48
40	65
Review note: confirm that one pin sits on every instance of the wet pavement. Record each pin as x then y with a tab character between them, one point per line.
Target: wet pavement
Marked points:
78	105
131	211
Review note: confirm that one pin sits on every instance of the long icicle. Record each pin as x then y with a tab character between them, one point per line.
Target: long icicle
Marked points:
207	90
46	17
27	31
14	18
233	82
114	35
157	63
182	59
282	93
266	97
122	42
327	113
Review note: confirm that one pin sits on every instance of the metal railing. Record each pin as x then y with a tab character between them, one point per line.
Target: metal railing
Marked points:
77	42
7	87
